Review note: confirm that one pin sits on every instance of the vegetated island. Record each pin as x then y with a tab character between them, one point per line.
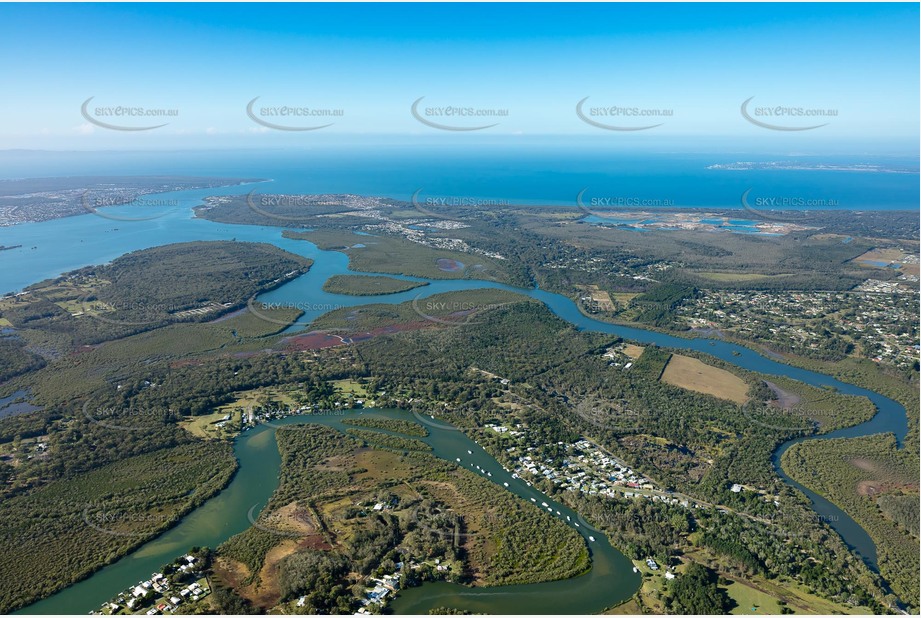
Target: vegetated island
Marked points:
365	285
143	290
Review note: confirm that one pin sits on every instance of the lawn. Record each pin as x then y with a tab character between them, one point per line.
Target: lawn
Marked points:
350	387
769	595
204	426
751	601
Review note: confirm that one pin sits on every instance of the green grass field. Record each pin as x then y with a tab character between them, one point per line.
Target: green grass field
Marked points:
350	387
205	426
751	601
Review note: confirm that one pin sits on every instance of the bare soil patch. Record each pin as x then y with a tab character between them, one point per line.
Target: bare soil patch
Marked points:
694	375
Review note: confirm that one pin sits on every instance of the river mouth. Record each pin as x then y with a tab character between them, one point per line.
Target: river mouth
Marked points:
210	526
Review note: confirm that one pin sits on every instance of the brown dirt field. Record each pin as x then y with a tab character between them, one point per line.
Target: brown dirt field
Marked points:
694	375
881	254
633	351
886	479
291	518
265	591
870	488
230	572
315	541
602	298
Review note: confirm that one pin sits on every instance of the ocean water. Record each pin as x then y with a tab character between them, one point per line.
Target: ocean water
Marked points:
501	174
594	177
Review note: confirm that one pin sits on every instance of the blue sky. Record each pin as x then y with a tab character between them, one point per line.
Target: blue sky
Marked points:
698	62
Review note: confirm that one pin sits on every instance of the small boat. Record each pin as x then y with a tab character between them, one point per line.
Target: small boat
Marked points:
469	452
458	459
577	525
533	500
431	417
528	482
567	518
489	474
558	513
592	539
549	509
506	484
544	504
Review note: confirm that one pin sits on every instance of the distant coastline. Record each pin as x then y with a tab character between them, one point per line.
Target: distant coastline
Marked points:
803	166
32	200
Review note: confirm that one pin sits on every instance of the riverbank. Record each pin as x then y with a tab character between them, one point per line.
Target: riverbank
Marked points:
304	287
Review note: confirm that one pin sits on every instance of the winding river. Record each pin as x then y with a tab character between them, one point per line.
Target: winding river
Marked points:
56	246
